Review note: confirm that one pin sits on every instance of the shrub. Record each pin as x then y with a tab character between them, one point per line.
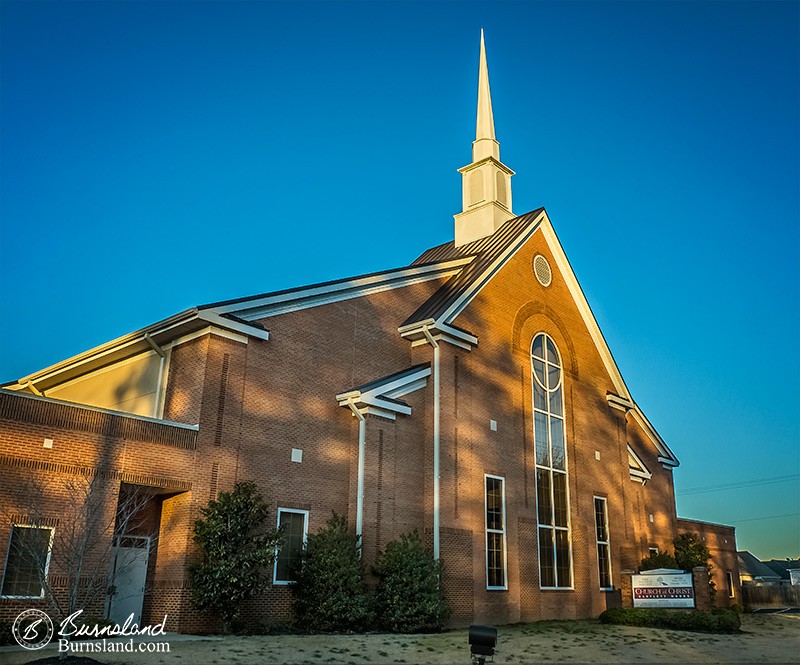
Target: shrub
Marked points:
6	637
690	552
409	597
238	551
658	560
718	621
329	590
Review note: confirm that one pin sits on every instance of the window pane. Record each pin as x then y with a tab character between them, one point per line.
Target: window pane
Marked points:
552	354
547	573
540	435
494	503
294	534
537	349
600	520
560	498
543	496
539	399
553	377
494	559
27	558
603	564
555	401
557	439
562	558
539	372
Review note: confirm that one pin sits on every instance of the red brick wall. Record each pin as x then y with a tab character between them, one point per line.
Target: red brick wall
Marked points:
721	543
255	402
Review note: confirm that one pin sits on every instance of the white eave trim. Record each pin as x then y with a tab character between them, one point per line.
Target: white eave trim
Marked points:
621	403
637	469
138	342
304	298
666	457
439	331
223	322
374	401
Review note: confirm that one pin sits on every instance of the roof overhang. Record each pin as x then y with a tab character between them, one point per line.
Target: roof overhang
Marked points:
381	397
147	339
439	331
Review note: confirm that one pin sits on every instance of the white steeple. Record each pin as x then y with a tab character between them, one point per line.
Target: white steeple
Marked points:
486	183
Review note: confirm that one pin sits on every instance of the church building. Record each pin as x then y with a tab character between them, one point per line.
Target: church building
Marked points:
469	395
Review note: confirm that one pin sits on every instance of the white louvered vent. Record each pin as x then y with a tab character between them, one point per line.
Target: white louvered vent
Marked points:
542	270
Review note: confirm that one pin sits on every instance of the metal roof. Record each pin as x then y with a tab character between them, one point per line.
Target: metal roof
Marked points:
486	251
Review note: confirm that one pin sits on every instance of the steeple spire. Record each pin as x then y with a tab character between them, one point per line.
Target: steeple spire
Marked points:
485	144
486	183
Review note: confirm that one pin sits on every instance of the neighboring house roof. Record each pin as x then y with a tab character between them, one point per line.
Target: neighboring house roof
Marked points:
755	568
782	567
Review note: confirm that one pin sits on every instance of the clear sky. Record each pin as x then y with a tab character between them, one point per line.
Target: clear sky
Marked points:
161	155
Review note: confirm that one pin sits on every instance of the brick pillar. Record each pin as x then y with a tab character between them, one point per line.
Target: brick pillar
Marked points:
702	593
626	588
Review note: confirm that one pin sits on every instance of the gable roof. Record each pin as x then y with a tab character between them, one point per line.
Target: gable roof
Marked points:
435	316
782	567
755	568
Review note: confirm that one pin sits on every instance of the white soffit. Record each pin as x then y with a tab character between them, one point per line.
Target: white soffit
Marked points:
324	294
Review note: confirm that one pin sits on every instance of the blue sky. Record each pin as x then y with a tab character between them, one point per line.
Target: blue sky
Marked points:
156	156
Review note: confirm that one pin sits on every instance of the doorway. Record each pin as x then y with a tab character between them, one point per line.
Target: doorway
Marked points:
128	577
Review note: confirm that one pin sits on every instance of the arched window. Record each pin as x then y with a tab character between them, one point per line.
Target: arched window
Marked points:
552	497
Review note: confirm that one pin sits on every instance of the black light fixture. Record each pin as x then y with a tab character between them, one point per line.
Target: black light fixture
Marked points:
482	642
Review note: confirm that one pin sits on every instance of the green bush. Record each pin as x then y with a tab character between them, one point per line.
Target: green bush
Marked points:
658	560
409	597
691	552
238	549
329	590
717	621
738	608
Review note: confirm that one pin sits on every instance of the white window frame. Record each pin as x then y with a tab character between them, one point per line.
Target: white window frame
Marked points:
296	511
652	550
502	531
729	580
606	542
552	471
8	555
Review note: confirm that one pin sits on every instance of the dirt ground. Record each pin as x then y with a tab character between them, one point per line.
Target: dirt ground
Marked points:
773	638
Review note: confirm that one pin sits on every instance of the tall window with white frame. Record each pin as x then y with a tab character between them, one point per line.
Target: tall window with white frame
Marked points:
27	561
603	548
552	495
295	529
495	532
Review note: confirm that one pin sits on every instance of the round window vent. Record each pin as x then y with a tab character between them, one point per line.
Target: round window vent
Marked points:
542	270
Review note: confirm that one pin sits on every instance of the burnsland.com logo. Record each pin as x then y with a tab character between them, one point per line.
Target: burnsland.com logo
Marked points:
33	629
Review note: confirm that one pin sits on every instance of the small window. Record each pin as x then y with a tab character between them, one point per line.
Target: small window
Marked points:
495	533
295	530
603	549
27	561
653	551
729	582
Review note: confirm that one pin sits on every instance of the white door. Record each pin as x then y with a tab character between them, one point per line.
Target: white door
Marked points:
128	577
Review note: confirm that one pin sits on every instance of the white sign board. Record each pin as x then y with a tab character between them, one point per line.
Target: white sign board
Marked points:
663	590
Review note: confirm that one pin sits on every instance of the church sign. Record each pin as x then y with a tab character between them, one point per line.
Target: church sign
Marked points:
663	588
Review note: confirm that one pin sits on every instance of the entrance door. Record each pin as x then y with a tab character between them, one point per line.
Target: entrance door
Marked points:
128	577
